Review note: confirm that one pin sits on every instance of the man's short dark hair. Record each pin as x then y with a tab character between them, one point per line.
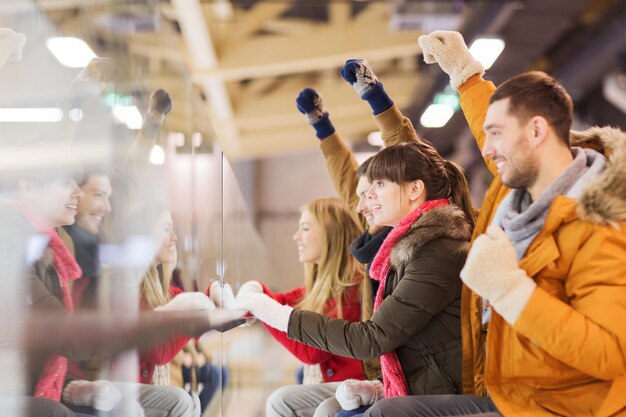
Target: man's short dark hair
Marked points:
535	93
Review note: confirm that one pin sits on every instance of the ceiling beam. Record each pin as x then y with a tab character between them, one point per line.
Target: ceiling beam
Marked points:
157	51
251	21
340	12
259	144
276	55
279	107
203	58
21	6
373	13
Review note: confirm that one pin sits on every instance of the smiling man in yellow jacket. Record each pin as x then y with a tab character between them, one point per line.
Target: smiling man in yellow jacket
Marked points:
545	282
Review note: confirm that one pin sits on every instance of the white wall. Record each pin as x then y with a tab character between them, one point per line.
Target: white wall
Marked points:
284	184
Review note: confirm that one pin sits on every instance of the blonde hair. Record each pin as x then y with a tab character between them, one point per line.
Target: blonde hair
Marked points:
337	271
155	285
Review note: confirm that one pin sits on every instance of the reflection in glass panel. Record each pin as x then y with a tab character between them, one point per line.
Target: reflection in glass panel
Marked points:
106	216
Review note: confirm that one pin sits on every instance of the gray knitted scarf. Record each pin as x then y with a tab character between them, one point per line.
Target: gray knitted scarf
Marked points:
522	219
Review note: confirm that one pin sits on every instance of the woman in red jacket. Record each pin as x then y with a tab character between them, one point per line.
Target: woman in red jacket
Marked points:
156	396
157	294
333	286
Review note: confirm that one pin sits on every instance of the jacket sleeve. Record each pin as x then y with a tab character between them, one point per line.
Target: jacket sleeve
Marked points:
43	300
304	353
164	352
588	333
429	283
290	298
474	97
40	297
342	165
395	128
307	354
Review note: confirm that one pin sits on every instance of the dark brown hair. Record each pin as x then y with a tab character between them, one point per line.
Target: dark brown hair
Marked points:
362	169
413	161
536	93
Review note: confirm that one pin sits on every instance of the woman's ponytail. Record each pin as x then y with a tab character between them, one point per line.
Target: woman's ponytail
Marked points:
459	190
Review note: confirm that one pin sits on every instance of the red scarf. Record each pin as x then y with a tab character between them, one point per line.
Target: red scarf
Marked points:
50	384
393	376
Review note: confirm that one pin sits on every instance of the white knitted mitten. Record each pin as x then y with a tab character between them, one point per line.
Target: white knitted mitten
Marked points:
188	301
101	395
11	44
252	287
222	296
447	48
491	271
352	393
265	309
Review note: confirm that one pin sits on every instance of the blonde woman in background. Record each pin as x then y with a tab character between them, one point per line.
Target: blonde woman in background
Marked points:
334	285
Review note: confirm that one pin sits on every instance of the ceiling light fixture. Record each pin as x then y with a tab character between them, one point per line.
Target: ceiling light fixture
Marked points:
157	155
32	114
128	115
70	52
487	50
375	139
436	115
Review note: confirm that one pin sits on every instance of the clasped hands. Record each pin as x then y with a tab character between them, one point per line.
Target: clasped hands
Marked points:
251	297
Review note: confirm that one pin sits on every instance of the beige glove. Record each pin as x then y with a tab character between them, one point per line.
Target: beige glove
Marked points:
99	69
265	308
92	79
101	395
11	44
447	48
222	296
188	301
352	393
492	271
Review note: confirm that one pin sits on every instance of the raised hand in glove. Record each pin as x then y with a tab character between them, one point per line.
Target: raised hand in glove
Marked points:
309	103
11	44
188	301
447	48
492	271
352	393
160	105
359	73
222	296
265	308
91	80
99	69
101	395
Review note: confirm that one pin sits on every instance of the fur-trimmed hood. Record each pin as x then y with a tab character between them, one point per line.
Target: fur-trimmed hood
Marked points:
603	201
447	221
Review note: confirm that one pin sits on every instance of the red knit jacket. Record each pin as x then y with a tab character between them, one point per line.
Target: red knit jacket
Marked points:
161	353
334	368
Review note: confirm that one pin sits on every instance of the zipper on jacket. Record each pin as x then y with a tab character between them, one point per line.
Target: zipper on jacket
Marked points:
456	391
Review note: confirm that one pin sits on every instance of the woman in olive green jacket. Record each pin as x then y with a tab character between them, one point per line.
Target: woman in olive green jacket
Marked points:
415	327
